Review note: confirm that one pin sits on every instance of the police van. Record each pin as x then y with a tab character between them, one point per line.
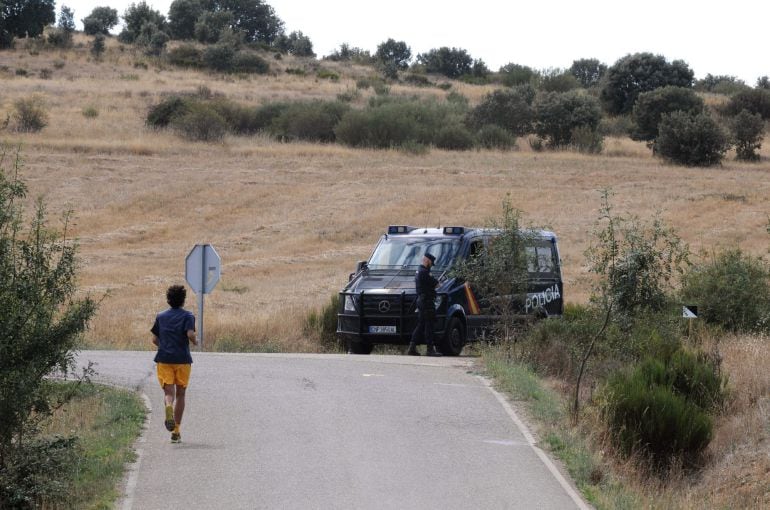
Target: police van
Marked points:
379	303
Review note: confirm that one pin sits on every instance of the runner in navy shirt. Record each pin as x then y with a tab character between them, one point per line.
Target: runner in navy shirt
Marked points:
172	333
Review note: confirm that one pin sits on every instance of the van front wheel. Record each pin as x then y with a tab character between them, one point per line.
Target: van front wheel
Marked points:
454	339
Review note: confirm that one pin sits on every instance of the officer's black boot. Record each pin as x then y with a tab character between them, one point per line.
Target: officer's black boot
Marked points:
433	352
412	351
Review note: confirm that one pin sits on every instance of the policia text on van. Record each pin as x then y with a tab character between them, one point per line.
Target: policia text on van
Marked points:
378	305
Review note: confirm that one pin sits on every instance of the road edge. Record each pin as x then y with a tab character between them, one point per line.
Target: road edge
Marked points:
544	458
126	501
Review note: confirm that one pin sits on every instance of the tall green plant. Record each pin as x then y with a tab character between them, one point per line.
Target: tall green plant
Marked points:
501	273
637	263
40	319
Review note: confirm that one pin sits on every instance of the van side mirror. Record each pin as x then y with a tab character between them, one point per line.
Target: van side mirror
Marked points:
361	265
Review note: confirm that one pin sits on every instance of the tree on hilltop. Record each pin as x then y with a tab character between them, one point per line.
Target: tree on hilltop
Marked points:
24	18
641	72
100	21
588	71
393	56
451	62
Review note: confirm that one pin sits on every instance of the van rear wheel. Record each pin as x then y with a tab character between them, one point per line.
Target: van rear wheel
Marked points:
454	339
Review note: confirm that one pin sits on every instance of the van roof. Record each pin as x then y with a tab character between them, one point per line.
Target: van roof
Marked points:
402	231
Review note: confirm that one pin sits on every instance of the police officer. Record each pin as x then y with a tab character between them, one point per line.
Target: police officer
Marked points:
425	285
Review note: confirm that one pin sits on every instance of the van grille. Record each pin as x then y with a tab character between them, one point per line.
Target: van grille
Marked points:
387	304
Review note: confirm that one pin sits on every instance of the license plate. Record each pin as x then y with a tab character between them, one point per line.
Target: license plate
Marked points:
382	329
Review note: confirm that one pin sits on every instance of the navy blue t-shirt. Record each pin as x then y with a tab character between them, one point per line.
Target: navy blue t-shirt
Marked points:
171	327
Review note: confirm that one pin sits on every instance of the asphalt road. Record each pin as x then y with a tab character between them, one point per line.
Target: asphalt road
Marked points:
333	431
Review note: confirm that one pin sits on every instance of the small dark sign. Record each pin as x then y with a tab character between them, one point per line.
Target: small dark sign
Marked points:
690	312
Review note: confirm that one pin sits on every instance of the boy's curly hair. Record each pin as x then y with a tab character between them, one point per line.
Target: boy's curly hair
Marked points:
175	296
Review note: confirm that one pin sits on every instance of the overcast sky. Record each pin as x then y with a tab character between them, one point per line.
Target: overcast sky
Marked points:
712	37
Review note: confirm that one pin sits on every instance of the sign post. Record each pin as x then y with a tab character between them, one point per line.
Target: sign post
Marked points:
203	268
689	312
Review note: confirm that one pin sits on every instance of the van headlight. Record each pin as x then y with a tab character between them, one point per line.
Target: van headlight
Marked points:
438	301
350	304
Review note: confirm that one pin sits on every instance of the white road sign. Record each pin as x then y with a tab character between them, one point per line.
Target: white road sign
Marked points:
203	268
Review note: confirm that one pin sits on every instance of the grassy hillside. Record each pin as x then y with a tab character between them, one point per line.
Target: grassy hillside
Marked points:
291	220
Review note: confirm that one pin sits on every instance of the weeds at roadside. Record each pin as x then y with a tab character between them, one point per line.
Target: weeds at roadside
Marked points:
107	421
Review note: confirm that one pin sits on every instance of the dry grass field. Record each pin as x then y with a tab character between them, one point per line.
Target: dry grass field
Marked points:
291	220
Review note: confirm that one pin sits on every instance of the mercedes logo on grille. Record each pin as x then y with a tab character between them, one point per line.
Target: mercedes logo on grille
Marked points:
384	306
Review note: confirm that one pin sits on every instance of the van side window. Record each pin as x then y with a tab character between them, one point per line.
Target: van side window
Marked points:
477	248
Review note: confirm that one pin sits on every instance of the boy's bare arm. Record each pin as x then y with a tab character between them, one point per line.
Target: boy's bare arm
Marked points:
156	340
191	337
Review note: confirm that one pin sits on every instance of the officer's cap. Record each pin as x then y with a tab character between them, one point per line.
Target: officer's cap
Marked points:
431	257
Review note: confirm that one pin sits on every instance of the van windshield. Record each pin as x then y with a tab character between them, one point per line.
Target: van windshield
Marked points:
407	253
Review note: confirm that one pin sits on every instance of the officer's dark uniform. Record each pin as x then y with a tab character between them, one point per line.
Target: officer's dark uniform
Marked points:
425	286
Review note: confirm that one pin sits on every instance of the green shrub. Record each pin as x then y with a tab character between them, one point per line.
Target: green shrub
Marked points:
37	470
200	123
59	38
454	137
313	121
98	46
753	100
492	136
90	112
161	114
697	379
588	71
558	80
513	75
650	107
263	116
219	57
637	73
390	122
587	140
323	324
326	74
250	63
557	115
636	262
29	114
509	109
747	130
731	290
722	84
418	80
691	140
378	128
652	419
451	62
185	55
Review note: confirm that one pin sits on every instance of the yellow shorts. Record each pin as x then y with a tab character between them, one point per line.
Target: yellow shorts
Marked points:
174	373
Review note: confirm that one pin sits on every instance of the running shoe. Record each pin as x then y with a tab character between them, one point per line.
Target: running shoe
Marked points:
169	423
176	437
